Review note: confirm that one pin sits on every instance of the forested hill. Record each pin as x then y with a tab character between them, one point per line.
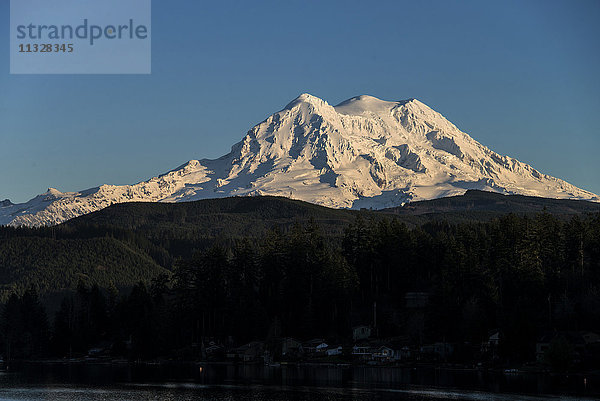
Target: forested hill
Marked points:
252	216
230	217
517	275
126	243
483	205
53	265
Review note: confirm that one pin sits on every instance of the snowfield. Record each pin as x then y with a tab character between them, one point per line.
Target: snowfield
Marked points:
362	153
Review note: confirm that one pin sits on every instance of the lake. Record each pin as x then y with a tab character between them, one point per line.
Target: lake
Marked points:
105	382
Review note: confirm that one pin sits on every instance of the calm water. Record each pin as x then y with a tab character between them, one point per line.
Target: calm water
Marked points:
257	383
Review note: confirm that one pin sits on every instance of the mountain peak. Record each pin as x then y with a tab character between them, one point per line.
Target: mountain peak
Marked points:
415	103
364	104
306	98
367	104
53	191
364	152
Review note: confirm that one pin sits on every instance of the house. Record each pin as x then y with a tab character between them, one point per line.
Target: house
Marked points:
362	351
492	342
213	350
576	340
101	349
251	352
334	350
97	352
590	338
315	346
382	354
322	347
400	347
402	354
291	346
494	338
361	332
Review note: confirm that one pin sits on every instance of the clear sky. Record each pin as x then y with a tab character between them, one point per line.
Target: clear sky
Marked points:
522	77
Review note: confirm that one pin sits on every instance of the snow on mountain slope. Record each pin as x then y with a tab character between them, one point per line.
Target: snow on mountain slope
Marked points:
364	152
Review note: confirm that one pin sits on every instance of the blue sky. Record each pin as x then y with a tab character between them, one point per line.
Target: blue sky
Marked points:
521	77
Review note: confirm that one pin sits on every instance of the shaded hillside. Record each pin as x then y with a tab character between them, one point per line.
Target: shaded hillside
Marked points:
56	265
251	216
483	205
169	230
128	242
232	217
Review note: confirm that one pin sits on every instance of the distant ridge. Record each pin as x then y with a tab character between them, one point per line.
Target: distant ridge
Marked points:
474	201
253	216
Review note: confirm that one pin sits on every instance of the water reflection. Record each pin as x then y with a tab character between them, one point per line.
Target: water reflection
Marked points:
290	383
192	392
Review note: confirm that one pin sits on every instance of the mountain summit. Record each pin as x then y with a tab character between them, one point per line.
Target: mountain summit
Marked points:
364	152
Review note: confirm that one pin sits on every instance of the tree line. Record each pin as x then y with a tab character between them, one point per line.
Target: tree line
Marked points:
519	275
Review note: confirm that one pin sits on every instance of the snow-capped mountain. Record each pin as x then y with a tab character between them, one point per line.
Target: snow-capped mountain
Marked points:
364	152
